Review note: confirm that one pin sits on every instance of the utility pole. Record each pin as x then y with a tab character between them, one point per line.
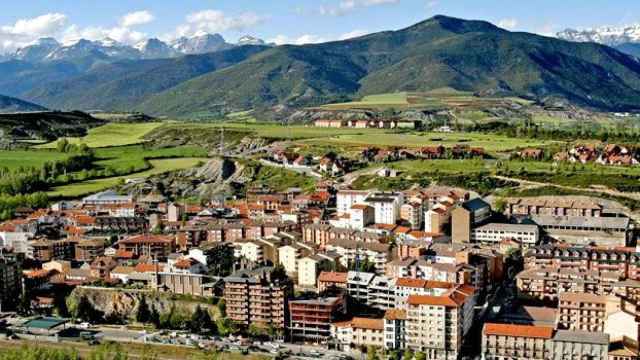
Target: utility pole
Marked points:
222	141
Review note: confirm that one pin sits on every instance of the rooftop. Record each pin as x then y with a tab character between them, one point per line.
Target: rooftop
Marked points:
540	332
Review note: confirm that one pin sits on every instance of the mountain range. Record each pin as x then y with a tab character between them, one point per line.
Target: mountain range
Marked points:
109	50
439	52
9	105
625	39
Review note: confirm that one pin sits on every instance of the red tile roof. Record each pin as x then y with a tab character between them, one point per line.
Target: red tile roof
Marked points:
531	331
332	276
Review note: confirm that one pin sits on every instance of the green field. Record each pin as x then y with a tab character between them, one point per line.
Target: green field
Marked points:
14	159
490	143
159	166
128	159
114	134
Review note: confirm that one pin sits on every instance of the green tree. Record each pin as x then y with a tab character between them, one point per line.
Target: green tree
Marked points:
407	355
200	321
62	145
143	315
222	307
421	356
372	353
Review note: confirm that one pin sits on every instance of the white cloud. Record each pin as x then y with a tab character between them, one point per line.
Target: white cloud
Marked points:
346	6
136	18
213	21
24	31
508	24
352	34
433	3
42	25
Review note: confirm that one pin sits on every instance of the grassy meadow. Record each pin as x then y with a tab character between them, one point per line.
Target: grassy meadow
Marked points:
113	134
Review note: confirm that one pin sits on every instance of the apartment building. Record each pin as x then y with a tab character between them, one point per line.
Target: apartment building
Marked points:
604	231
156	246
494	233
358	285
518	342
345	199
249	250
309	269
386	206
467	215
358	331
412	213
10	280
350	251
405	287
395	329
436	218
621	260
568	344
257	297
89	250
311	319
289	255
554	206
531	342
332	279
436	325
382	294
584	311
548	283
361	216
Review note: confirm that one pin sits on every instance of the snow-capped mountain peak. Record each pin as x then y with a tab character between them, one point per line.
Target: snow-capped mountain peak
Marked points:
607	35
250	40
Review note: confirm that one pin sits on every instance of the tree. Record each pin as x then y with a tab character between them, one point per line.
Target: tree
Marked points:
200	321
154	317
143	315
62	145
372	354
85	311
421	356
408	354
222	307
226	326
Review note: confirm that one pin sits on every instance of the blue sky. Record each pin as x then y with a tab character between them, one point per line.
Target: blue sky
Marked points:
287	20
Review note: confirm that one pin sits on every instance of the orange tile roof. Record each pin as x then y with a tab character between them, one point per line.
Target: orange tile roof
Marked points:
395	314
409	282
332	276
445	301
148	238
145	268
402	229
362	323
532	331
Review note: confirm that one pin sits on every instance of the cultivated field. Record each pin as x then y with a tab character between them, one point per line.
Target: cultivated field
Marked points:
490	143
113	134
14	159
159	166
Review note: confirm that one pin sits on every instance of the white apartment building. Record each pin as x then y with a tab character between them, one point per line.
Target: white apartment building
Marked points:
361	216
386	207
494	233
345	199
358	285
288	257
436	325
249	250
382	293
309	269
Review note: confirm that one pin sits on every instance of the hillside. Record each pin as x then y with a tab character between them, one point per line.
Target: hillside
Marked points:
48	125
122	85
440	52
10	105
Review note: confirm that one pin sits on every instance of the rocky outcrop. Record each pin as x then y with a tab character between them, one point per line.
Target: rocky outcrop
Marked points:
123	303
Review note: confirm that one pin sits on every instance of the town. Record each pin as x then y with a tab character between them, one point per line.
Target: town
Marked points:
433	272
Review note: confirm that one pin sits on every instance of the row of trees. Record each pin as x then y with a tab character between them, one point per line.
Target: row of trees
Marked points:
9	203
